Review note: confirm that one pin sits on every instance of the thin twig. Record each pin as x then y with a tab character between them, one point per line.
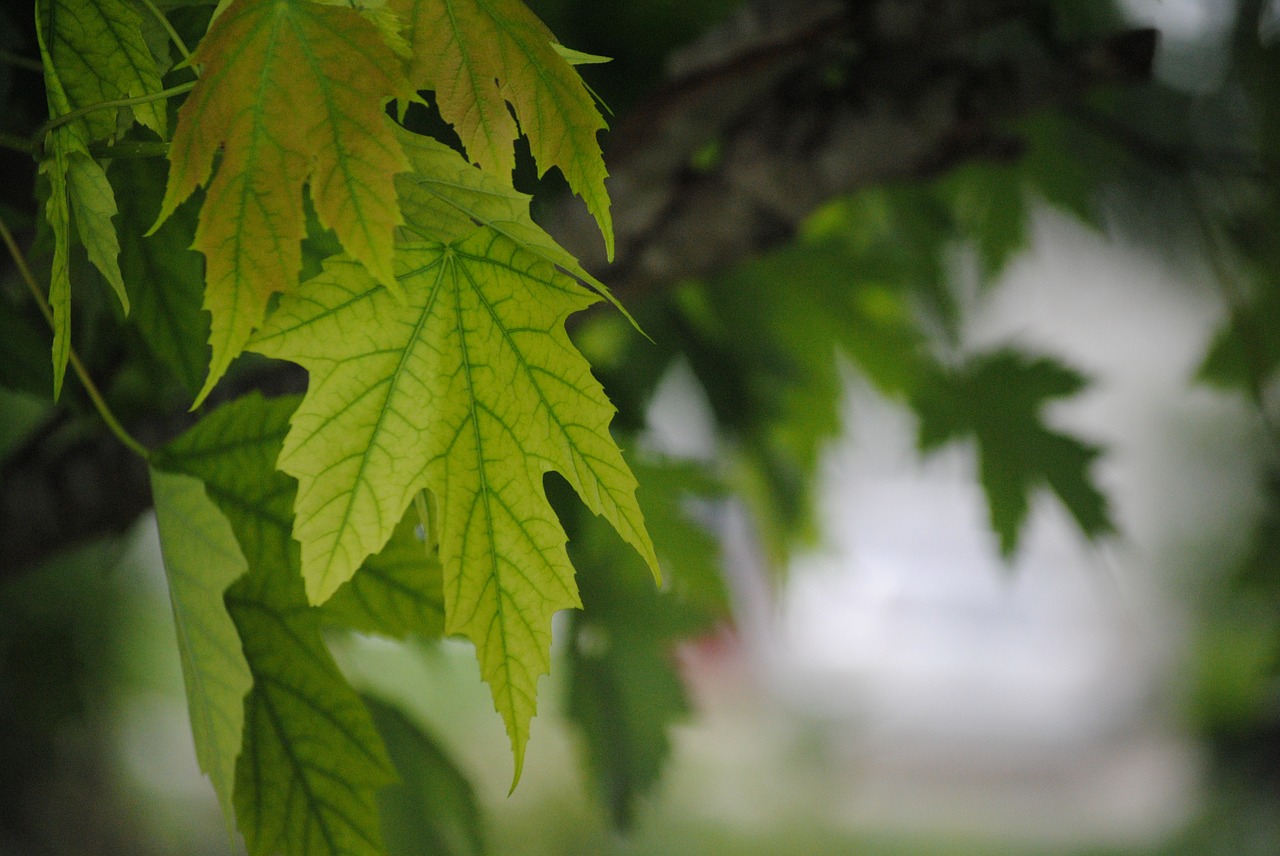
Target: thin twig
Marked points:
99	403
20	61
113	103
173	34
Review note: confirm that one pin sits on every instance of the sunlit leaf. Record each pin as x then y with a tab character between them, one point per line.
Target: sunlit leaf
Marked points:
479	56
444	198
471	390
279	97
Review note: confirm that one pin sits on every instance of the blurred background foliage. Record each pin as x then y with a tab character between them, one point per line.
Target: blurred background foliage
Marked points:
878	285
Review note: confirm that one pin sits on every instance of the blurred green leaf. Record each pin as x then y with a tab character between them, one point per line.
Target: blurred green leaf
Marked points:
990	209
25	366
998	398
624	690
432	810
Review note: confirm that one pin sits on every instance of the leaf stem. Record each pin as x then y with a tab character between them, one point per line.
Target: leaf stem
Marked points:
107	105
99	403
20	61
168	28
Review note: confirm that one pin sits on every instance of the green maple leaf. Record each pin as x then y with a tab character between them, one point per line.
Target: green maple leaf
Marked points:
396	593
233	451
481	55
444	198
92	51
303	724
470	389
433	810
308	775
96	52
998	399
163	276
201	559
292	91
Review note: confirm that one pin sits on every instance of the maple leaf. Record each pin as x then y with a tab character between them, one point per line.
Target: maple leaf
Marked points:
308	775
311	763
98	54
92	51
396	593
997	398
278	93
443	198
201	559
470	389
481	55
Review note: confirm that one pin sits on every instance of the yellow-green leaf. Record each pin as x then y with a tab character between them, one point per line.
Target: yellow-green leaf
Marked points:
444	198
201	559
292	91
470	389
481	55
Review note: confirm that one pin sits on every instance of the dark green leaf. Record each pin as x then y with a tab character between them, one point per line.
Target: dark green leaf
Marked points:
164	278
998	398
624	692
432	810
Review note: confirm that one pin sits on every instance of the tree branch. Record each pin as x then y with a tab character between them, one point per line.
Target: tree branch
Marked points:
789	104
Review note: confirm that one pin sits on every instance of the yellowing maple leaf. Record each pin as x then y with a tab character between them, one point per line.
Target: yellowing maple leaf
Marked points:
481	55
292	91
470	389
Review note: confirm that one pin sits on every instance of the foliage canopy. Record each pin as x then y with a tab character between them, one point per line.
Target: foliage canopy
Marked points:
347	175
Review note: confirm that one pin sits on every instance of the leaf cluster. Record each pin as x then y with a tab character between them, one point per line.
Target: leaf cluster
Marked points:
454	466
